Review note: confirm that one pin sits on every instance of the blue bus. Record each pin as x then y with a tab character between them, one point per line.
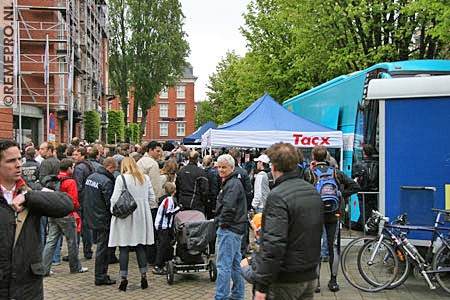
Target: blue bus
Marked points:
340	103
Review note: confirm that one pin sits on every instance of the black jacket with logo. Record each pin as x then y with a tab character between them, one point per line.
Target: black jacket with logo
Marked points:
98	190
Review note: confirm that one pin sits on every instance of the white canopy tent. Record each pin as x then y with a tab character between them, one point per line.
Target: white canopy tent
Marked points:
266	122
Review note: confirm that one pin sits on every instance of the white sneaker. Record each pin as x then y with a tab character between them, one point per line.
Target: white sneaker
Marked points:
83	270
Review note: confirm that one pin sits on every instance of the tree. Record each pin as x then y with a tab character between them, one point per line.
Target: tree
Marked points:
91	125
159	50
116	126
119	56
205	113
296	45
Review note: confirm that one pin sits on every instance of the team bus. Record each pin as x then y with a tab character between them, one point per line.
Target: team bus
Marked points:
344	104
341	102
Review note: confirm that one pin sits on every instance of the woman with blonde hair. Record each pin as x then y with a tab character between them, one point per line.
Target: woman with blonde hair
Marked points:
136	230
169	171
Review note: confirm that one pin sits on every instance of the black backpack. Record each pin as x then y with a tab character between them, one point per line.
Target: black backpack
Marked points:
52	182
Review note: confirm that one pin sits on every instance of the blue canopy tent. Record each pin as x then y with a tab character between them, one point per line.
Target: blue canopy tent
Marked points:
266	122
196	137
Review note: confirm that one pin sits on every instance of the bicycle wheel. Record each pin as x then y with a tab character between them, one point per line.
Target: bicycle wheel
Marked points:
441	260
350	261
383	267
404	268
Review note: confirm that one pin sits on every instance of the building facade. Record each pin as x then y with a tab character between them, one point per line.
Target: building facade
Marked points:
173	116
55	66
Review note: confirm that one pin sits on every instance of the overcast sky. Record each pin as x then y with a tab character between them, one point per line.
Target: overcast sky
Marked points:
213	29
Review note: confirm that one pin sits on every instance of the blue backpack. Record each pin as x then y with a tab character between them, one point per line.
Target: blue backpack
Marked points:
328	189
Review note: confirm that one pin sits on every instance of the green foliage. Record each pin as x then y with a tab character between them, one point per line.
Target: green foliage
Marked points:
296	45
91	125
132	133
119	51
116	126
148	50
205	113
159	48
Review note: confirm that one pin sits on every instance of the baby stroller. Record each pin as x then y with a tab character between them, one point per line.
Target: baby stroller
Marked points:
192	236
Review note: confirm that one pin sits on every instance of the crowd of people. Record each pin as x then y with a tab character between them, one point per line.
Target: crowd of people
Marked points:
164	179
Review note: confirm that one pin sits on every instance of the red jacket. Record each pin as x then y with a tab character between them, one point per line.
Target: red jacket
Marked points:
69	186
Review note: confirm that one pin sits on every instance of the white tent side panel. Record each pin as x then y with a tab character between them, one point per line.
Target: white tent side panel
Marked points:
264	139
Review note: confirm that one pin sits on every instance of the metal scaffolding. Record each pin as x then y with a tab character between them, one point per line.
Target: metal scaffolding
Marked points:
76	38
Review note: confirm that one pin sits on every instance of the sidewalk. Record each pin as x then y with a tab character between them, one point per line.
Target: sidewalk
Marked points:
63	285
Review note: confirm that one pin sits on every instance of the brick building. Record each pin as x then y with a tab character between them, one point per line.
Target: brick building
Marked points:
173	116
63	43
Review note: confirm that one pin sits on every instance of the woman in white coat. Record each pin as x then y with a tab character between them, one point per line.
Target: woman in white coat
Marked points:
136	230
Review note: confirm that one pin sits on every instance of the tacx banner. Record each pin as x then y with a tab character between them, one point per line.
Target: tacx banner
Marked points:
264	139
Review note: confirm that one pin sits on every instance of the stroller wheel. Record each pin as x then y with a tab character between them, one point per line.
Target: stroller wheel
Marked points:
212	270
170	272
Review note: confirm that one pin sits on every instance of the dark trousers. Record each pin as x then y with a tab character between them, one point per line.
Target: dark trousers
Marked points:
287	291
334	243
150	250
86	236
164	249
102	255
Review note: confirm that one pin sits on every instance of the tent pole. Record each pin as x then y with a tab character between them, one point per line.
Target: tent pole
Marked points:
342	159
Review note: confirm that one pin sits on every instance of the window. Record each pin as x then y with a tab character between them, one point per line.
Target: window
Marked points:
181	91
181	110
139	112
164	110
145	130
163	128
181	129
164	94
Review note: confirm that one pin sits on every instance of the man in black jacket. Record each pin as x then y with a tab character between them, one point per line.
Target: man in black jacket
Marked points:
231	211
192	185
82	170
20	212
290	232
97	212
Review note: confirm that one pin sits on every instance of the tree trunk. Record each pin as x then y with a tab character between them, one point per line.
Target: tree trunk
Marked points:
144	123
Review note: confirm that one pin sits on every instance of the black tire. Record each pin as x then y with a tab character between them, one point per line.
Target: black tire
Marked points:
442	260
384	267
350	265
212	270
170	272
404	269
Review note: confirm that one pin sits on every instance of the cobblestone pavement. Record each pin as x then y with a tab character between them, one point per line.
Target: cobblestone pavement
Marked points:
63	285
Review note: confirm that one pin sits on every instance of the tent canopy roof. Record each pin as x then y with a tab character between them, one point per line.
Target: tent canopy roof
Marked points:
266	122
266	114
196	137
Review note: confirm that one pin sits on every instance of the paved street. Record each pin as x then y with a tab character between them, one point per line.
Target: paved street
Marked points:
63	285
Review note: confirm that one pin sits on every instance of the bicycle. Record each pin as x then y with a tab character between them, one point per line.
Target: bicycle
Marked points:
387	264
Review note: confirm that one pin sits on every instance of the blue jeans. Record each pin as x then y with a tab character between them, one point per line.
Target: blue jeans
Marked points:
57	254
228	266
56	227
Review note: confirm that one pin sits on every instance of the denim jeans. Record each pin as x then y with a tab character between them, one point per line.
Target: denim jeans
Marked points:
228	266
57	254
124	256
67	227
43	232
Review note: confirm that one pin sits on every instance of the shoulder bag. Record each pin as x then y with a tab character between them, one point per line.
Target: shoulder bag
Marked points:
126	204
